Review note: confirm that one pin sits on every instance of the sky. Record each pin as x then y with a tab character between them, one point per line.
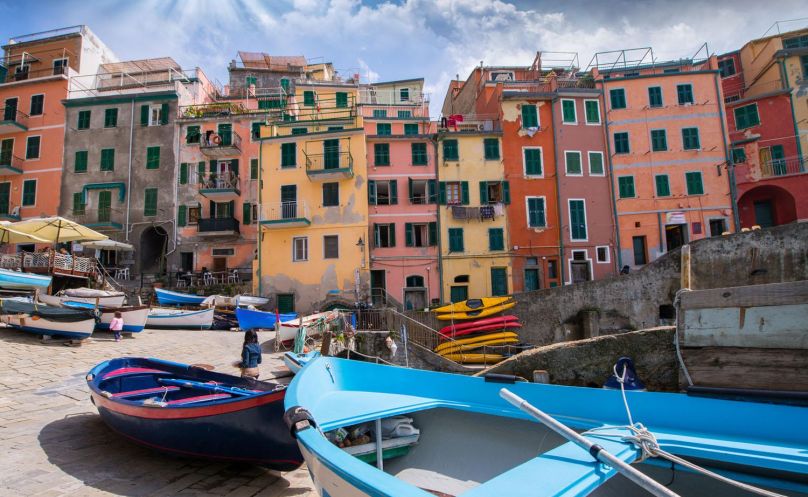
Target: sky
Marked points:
385	40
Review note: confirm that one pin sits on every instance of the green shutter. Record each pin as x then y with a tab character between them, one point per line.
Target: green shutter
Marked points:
491	148
372	192
433	234
690	138
182	214
104	206
110	118
496	239
246	213
535	212
655	96
577	220
530	116
408	238
499	281
464	192
192	134
393	192
84	120
81	161
573	163
506	192
29	192
253	168
164	114
184	173
442	193
694	183
659	140
568	111
342	99
595	163
144	115
450	150
592	108
108	159
255	130
617	98
308	98
456	240
150	202
431	190
685	94
410	129
78	203
392	231
663	187
533	166
288	154
153	158
626	186
200	172
483	192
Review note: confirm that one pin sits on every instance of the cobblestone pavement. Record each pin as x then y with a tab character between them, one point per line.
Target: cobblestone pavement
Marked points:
54	443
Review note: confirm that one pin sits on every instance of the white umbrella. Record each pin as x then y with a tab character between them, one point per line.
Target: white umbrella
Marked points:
109	245
10	235
57	230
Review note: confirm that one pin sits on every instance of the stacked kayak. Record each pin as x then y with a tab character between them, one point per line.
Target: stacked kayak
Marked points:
474	308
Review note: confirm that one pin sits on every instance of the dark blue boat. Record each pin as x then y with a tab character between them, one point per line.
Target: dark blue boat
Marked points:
189	411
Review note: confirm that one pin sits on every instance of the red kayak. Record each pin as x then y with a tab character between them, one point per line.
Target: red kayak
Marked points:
499	320
488	327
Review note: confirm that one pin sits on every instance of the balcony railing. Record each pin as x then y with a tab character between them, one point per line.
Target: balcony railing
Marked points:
219	186
329	165
220	109
783	167
480	213
10	164
392	96
99	218
12	120
470	123
49	263
214	144
218	225
285	214
24	73
396	112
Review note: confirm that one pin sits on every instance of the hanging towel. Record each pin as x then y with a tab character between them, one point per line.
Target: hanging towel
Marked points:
487	212
459	212
499	209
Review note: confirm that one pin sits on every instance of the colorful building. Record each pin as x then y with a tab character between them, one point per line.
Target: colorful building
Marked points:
668	150
765	83
313	242
402	194
35	76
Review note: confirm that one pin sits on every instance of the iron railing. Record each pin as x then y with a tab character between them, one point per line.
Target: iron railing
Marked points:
24	73
393	96
783	167
11	114
9	160
227	180
214	224
319	163
284	211
212	140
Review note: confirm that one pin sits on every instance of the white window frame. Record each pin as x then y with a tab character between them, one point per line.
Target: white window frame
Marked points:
159	110
527	211
305	241
331	258
22	193
65	65
608	254
29	104
600	119
25	155
574	110
572	259
580	163
524	162
602	163
569	219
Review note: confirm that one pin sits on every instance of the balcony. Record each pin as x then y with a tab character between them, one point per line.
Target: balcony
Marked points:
285	215
9	213
99	219
219	187
10	164
218	226
329	166
13	121
783	167
217	146
24	72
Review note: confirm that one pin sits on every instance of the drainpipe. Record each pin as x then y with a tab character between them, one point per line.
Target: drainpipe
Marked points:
733	191
562	262
611	178
176	180
793	115
260	211
434	140
129	179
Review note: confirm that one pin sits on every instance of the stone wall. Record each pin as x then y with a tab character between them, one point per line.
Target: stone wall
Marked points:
634	301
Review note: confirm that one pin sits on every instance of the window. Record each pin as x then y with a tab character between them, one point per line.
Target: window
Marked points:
331	247
32	147
404	94
573	163
685	94
690	138
384	129
726	67
618	98
458	293
255	130
37	105
804	63
738	155
535	212
330	194
568	112
153	158
530	116
108	159
663	187
192	134
84	120
499	281
308	98
288	155
156	117
577	220
531	279
404	114
655	96
182	215
456	240
718	226
183	173
596	164
419	157
299	131
621	145
496	239
414	281
454	192
671	70
491	148
659	140
796	42
335	128
410	129
342	100
422	191
29	192
694	183
80	164
383	192
602	254
552	270
384	235
381	154
592	110
194	213
150	202
253	168
78	204
625	186
250	81
300	249
421	234
494	192
378	113
746	116
111	118
533	161
450	150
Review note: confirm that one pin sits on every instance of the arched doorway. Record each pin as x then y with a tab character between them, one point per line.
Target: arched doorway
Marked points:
766	206
153	245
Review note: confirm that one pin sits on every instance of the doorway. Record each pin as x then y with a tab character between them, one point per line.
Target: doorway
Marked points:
499	281
414	293
579	267
153	242
331	154
186	261
286	303
764	213
675	236
289	201
378	286
640	257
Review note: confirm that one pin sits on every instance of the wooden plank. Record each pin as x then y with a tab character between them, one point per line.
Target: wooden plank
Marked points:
735	367
771	327
794	292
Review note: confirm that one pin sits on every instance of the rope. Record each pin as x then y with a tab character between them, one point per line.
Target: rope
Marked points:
676	336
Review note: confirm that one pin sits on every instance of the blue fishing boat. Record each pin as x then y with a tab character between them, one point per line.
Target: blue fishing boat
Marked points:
189	411
249	319
295	361
477	437
18	280
168	297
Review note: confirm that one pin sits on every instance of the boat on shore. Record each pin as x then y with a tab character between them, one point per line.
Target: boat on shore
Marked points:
102	298
191	412
287	331
295	361
169	297
247	300
249	319
474	442
19	280
172	318
47	321
134	317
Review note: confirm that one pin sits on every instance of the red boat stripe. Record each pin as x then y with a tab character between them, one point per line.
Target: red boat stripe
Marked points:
123	371
184	412
199	398
145	391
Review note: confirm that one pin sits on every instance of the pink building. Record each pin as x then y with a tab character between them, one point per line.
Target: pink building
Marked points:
402	194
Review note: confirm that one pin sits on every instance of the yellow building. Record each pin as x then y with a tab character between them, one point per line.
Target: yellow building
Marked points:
314	213
473	229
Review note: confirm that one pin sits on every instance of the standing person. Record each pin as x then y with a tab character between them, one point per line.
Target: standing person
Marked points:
250	355
116	325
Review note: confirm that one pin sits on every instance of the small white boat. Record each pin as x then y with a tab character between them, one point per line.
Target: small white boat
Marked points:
101	297
246	300
288	329
168	318
134	317
50	321
18	280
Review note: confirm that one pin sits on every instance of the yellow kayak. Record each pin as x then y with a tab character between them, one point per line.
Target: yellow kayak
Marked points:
445	347
489	311
475	358
474	346
472	305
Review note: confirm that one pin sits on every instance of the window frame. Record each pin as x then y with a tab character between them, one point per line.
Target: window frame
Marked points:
687	182
155	109
522	116
423	158
567	172
541	162
285	155
456	155
664	138
325	246
586	221
586	113
451	246
147	212
410	126
381	150
698	138
608	254
624	99
628	142
38	147
744	107
589	155
661	103
574	111
111	111
689	87
330	183
23	193
86	155
387	127
31	105
486	149
103	155
149	159
656	185
544	211
620	189
80	122
305	247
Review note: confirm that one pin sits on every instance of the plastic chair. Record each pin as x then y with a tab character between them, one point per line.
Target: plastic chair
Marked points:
233	276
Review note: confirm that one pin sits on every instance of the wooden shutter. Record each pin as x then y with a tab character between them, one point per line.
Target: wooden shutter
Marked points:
213	163
182	214
433	234
431	187
408	234
246	213
164	114
506	192
372	192
464	192
234	166
393	192
200	171
392	234
144	115
184	173
442	193
483	192
409	189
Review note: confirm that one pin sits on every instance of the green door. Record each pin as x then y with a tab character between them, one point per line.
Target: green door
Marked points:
459	293
764	213
6	149
104	206
5	192
531	280
778	160
226	134
499	281
331	154
286	303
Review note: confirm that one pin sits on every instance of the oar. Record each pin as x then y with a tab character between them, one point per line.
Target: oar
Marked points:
598	452
205	386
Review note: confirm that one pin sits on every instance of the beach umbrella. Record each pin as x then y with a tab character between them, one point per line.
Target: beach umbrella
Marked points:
58	230
109	245
11	235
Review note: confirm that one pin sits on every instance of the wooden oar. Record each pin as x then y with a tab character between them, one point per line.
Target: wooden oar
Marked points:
205	386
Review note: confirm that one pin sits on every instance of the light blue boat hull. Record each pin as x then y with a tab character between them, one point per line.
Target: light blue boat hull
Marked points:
167	297
249	319
17	280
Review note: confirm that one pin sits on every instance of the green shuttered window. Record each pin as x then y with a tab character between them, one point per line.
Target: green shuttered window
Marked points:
32	147
685	94
456	240
192	134
419	157
625	186
108	159
596	163
496	239
381	154
617	97
621	145
491	148
110	118
535	212
153	158
184	173
694	183
80	165
533	161
246	213
530	116
253	168
655	96
29	192
663	187
592	108
84	120
450	150
410	129
182	215
746	116
342	100
78	203
379	113
690	138
150	202
568	111
659	140
384	129
308	98
573	163
288	155
577	220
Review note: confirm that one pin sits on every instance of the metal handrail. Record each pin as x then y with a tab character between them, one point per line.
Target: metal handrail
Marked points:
227	180
284	211
327	161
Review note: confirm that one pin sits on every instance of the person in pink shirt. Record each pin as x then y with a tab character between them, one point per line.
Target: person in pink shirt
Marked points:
116	325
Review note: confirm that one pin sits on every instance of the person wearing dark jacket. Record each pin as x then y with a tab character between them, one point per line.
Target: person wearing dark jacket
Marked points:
250	355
